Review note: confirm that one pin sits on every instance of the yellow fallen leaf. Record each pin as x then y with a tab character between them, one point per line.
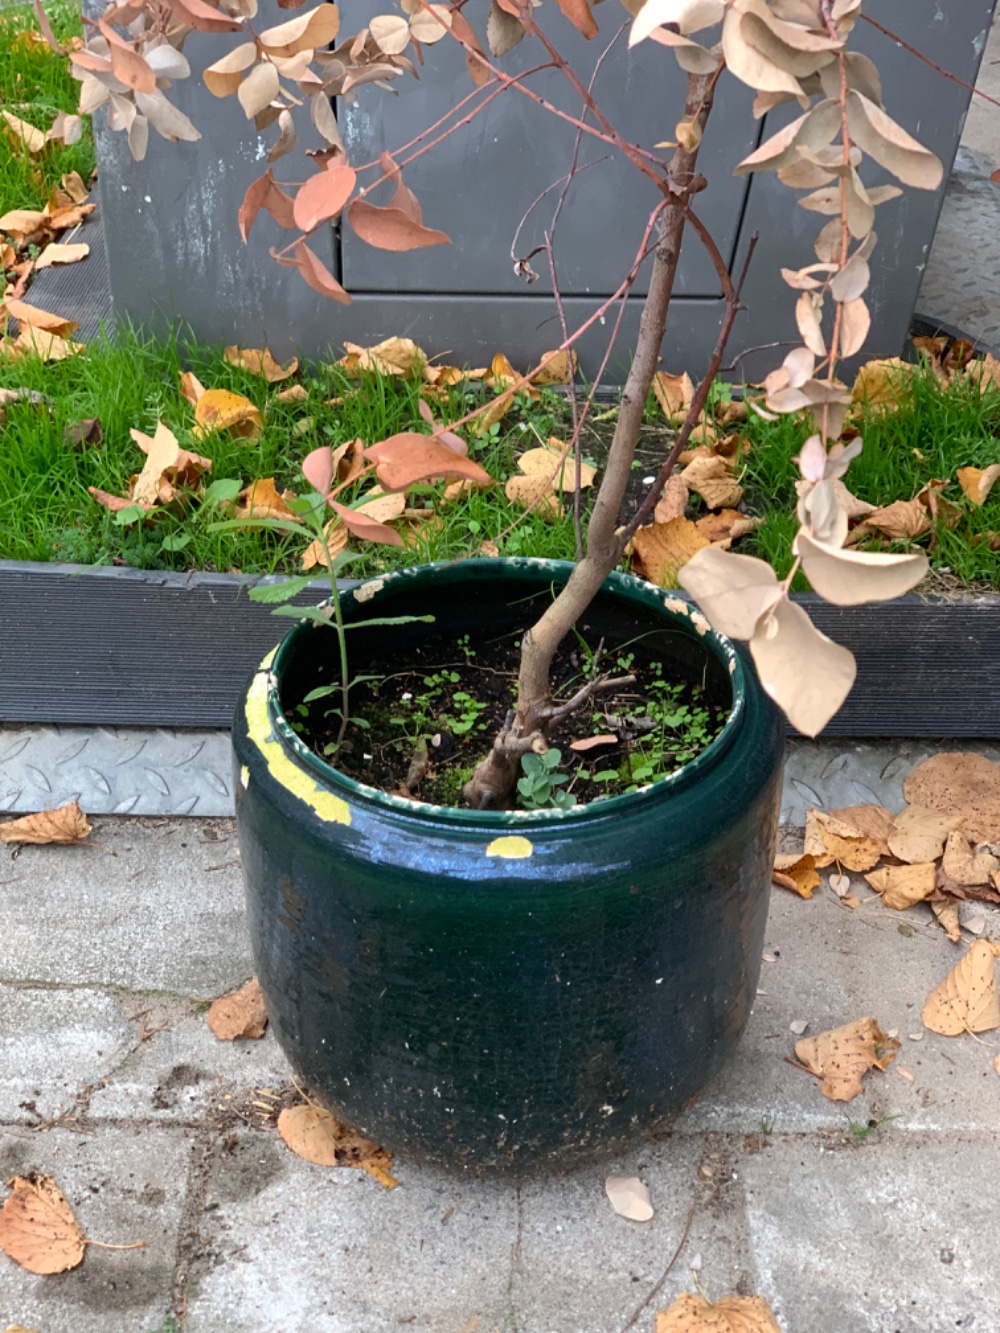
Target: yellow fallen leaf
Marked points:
902	886
57	253
966	1001
977	482
261	499
167	469
382	506
241	1014
883	385
919	833
796	871
37	342
560	370
336	540
295	393
259	361
547	470
315	1135
874	822
843	1055
832	840
218	409
21	132
394	356
36	318
711	478
22	222
733	1314
946	915
66	824
661	549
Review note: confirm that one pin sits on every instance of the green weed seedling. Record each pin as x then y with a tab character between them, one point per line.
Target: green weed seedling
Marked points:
539	789
865	1130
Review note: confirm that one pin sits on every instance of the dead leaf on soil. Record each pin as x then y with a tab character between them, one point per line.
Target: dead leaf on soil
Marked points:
843	1055
919	834
946	915
629	1197
674	393
218	409
733	1314
673	500
37	1227
965	866
661	549
318	1137
902	886
883	384
241	1014
592	743
37	342
871	821
337	538
963	784
168	468
711	478
559	370
726	526
259	361
966	1001
191	387
546	472
831	840
903	519
295	393
977	482
82	433
65	825
796	871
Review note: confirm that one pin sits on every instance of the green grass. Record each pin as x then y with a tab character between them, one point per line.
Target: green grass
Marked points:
35	84
935	431
49	514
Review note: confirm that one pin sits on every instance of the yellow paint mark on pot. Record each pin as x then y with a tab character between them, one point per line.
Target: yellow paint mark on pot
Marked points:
512	847
281	766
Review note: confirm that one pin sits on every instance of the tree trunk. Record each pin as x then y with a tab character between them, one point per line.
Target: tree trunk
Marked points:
492	784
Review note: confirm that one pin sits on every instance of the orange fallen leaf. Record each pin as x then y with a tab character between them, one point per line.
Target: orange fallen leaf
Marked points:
39	343
259	361
546	472
674	393
241	1014
592	743
116	503
218	409
733	1314
57	253
902	886
20	132
726	526
394	356
843	1055
315	1135
191	387
66	824
966	1001
874	822
832	840
661	549
796	871
883	385
919	833
37	318
337	538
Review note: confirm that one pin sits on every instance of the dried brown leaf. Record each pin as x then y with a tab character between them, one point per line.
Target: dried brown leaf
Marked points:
66	824
903	519
674	393
920	833
661	549
259	361
629	1197
883	384
946	914
977	482
394	356
219	409
733	1314
168	468
58	253
559	370
963	784
842	1056
316	1136
712	479
796	871
964	866
241	1014
726	526
869	821
262	499
831	840
37	1227
966	1001
673	501
407	458
902	886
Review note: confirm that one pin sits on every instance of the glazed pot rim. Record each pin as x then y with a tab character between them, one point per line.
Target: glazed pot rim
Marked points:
669	602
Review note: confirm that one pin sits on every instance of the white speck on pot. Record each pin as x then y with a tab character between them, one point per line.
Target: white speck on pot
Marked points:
368	590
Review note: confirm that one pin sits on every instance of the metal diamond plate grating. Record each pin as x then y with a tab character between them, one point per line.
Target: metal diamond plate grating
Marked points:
116	770
132	771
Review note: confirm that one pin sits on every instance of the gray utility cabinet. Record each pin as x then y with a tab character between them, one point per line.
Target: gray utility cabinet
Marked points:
175	251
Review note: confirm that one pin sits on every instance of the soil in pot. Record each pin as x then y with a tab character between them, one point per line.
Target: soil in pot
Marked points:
419	727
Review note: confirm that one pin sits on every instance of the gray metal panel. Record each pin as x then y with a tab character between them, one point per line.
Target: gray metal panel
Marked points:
477	184
172	235
930	107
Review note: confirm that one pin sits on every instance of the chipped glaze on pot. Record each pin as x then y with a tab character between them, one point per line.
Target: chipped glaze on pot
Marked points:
507	989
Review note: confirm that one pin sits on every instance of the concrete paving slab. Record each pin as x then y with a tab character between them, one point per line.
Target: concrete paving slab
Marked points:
297	1247
124	1184
163	912
184	1071
53	1043
896	1235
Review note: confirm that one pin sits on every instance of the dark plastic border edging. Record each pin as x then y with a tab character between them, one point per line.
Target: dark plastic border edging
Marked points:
122	647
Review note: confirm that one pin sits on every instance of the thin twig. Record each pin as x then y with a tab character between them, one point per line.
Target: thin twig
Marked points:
927	60
666	1272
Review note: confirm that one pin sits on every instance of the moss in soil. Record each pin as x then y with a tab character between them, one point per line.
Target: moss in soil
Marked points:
457	694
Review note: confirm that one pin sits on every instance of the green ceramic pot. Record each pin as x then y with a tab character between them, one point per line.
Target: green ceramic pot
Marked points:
509	989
